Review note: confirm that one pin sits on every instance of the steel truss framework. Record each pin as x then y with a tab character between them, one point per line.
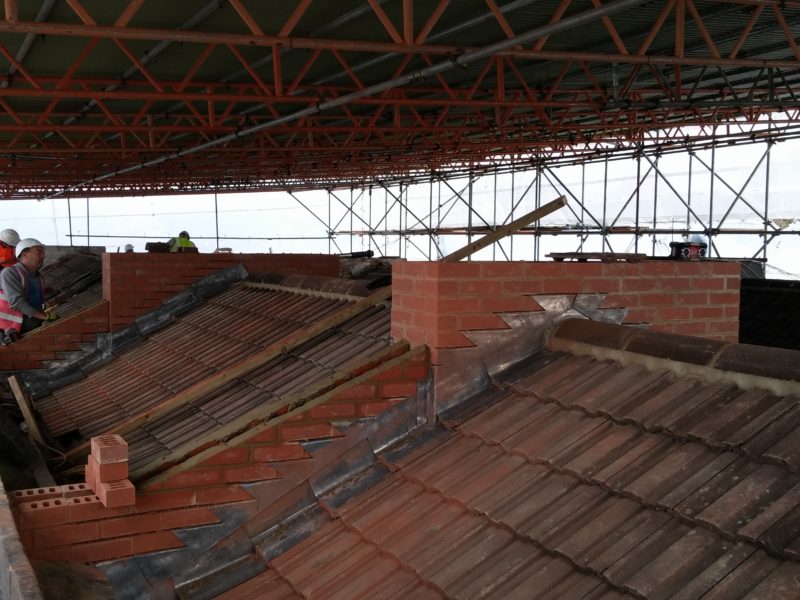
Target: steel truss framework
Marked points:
149	98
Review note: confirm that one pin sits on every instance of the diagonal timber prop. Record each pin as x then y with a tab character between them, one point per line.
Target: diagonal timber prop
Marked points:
501	232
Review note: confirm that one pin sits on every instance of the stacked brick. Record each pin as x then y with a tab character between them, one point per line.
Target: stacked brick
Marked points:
69	523
107	471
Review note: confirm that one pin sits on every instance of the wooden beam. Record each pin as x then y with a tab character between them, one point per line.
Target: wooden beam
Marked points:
501	232
220	378
37	464
27	410
40	470
265	417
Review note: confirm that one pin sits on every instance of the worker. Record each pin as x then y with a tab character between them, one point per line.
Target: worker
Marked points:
182	241
22	291
129	248
9	239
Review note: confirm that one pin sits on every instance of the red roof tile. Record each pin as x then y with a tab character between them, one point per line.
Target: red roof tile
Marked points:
584	479
267	586
224	331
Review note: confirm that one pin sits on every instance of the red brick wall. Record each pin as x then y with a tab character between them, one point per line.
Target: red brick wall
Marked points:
433	303
68	523
136	283
62	336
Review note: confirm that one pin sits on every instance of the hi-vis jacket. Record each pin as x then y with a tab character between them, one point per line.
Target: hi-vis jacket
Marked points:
7	257
180	242
32	290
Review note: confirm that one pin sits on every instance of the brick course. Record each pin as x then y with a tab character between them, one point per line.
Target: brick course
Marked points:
246	462
434	302
135	283
48	342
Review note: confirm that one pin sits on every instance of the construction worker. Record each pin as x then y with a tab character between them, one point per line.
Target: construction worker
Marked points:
9	239
22	292
182	241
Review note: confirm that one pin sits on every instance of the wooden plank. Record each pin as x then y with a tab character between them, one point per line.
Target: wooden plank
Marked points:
27	410
597	256
41	473
501	232
37	464
263	417
214	382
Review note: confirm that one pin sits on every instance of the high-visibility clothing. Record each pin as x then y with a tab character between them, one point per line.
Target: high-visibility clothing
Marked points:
7	257
181	242
33	288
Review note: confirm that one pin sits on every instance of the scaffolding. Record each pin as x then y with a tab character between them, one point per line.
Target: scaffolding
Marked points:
735	185
621	200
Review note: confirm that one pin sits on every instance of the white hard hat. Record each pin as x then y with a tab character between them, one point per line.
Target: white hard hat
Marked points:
9	237
25	244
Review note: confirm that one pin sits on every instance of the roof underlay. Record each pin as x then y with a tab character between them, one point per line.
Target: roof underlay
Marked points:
152	97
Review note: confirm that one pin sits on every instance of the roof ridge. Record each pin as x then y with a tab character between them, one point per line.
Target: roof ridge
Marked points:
315	284
744	365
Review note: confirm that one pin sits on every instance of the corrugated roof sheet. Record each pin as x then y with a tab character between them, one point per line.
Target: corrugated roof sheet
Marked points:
582	479
224	331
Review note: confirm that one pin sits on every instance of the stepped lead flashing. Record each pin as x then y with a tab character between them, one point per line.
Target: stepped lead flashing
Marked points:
759	361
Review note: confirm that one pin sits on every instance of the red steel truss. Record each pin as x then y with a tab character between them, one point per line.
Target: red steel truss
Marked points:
261	104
